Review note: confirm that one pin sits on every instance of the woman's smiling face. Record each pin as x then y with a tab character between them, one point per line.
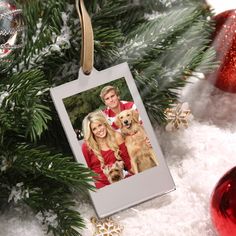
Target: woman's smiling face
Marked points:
98	129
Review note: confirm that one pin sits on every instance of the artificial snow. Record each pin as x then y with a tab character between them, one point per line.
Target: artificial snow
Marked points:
18	223
197	158
18	193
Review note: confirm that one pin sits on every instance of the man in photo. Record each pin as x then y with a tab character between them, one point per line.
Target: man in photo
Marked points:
123	116
111	97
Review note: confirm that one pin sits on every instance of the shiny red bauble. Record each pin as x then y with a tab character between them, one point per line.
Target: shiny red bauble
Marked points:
224	42
223	204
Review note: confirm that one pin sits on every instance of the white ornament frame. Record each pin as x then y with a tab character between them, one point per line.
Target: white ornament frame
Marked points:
138	188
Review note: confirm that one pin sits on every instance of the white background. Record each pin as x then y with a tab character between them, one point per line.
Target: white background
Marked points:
222	5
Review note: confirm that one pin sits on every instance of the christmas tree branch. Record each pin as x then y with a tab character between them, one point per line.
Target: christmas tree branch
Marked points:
161	33
40	161
47	19
45	181
53	207
22	110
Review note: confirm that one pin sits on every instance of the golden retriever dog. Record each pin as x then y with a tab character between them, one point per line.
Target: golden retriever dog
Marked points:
141	153
115	172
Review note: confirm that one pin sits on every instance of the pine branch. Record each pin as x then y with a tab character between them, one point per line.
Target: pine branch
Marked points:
160	33
54	209
45	181
40	161
119	14
166	49
105	46
157	98
22	110
47	16
4	194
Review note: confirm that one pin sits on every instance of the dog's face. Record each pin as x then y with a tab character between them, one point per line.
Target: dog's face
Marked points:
126	118
114	173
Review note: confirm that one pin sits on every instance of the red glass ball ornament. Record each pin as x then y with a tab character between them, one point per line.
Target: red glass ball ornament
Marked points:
223	204
224	42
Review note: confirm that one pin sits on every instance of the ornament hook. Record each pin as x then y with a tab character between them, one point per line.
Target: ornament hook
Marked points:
87	47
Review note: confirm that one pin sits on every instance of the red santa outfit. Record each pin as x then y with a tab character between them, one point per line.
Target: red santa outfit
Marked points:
124	105
109	158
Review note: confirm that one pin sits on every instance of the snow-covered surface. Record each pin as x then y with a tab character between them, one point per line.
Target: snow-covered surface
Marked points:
18	223
197	158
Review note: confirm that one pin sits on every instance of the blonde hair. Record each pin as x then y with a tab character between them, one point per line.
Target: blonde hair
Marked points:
90	140
107	89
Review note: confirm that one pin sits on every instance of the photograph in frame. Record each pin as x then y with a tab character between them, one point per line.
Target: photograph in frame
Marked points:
109	131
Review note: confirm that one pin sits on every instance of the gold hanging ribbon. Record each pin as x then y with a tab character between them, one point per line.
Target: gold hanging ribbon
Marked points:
87	47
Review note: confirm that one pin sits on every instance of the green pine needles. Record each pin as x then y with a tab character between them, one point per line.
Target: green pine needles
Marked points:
163	42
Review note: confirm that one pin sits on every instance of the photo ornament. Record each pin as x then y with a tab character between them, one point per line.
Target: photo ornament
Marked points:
109	131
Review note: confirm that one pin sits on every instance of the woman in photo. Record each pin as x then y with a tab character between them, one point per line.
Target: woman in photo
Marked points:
104	150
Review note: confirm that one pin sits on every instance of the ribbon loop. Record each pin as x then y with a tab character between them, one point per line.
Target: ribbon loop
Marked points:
87	47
